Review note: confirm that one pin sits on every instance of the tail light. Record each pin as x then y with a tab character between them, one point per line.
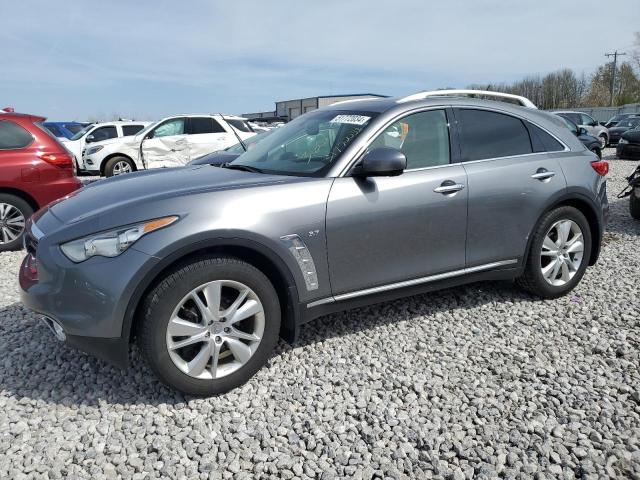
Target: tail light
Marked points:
61	160
601	167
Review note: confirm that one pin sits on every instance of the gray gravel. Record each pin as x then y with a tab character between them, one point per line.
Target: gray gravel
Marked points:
481	381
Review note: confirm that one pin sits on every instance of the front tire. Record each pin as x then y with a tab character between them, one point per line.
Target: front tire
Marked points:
603	140
118	166
559	253
209	326
634	203
14	213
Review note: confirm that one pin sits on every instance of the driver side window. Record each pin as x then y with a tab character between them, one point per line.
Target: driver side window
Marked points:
423	137
174	126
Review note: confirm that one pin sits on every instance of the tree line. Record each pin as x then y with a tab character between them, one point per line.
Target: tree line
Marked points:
566	89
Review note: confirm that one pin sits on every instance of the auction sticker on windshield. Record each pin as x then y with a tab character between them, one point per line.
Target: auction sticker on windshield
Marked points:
352	119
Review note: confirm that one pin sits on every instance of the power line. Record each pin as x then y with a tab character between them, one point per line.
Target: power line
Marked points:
615	56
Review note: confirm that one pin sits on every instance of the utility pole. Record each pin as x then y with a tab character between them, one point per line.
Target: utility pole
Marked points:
613	73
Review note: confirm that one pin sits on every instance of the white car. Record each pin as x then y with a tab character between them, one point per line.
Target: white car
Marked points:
171	142
97	133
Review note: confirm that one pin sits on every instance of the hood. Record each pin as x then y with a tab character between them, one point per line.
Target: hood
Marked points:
215	158
134	189
619	129
632	135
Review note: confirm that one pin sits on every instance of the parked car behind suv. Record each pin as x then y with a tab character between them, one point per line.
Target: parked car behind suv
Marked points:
65	129
628	147
613	121
97	133
35	169
589	124
347	205
171	142
589	141
615	133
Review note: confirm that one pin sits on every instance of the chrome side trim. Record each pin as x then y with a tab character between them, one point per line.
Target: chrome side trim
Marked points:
302	255
410	283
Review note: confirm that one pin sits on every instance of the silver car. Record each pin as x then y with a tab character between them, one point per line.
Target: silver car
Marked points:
352	204
589	124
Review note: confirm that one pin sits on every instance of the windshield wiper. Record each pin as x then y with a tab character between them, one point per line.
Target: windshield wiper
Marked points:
245	168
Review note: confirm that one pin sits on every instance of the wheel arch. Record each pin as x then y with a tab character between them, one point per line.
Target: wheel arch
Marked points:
112	155
23	195
249	251
589	210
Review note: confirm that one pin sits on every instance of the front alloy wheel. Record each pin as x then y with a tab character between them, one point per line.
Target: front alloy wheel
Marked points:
215	329
210	325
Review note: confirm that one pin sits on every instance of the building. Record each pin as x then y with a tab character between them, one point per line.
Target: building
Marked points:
289	109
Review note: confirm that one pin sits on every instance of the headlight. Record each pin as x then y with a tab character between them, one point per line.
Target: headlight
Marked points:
95	149
622	141
113	242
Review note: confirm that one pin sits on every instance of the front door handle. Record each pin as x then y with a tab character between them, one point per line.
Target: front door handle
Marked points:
543	174
448	187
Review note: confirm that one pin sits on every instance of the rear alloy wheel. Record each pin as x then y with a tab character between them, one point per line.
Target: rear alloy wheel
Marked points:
559	253
210	326
118	166
14	212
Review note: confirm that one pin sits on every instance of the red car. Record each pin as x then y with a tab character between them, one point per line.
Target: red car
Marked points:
35	169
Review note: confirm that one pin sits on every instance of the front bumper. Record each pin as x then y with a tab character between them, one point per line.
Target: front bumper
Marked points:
88	300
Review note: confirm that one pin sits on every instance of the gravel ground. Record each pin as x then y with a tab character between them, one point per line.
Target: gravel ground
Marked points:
481	381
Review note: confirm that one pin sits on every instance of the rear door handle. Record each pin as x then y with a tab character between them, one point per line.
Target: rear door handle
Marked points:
448	187
543	174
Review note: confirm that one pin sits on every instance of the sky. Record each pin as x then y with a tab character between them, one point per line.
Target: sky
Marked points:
80	60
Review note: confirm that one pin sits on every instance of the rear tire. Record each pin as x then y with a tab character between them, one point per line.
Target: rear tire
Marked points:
14	212
538	277
634	203
118	166
172	316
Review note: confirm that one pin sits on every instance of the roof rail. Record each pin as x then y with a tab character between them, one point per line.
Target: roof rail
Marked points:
523	101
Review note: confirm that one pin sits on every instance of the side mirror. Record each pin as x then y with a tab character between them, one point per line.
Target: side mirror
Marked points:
90	138
381	162
582	131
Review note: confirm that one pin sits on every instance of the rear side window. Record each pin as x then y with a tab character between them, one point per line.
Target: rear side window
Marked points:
486	134
204	125
542	141
240	125
128	130
13	136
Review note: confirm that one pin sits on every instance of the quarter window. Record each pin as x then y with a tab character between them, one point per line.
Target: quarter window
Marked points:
423	137
128	130
542	141
205	125
486	134
13	136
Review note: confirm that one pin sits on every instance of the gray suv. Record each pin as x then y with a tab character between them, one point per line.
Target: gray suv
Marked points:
356	203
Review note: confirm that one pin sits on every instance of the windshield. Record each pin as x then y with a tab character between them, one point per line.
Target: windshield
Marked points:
146	129
241	125
249	143
81	133
631	123
75	128
308	145
570	125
